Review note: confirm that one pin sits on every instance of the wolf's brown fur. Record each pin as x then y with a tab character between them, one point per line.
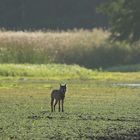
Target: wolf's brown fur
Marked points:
58	96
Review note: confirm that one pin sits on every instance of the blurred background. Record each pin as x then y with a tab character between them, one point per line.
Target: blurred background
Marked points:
51	14
96	34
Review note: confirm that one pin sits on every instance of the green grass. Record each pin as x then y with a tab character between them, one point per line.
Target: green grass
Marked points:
93	110
63	72
49	71
94	107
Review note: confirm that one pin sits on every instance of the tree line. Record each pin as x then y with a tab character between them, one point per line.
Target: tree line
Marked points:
51	14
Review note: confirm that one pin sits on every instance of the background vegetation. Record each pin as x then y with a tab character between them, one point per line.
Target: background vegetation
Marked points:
50	14
123	18
87	48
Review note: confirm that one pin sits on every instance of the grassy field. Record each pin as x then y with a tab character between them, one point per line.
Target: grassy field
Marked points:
95	107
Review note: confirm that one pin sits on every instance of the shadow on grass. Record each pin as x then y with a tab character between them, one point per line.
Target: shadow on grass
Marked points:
103	118
77	116
133	134
109	133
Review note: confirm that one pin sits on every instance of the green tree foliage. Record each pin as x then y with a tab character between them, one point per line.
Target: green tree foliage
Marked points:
124	18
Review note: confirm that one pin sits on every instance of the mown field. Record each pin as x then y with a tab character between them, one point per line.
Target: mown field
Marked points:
95	106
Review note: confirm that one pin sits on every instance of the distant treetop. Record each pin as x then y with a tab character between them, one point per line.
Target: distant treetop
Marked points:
124	16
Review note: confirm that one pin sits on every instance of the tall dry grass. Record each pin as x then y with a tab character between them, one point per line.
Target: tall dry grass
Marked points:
89	48
44	47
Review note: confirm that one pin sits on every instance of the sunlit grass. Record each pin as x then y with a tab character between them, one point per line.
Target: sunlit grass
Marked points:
89	48
44	47
63	72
